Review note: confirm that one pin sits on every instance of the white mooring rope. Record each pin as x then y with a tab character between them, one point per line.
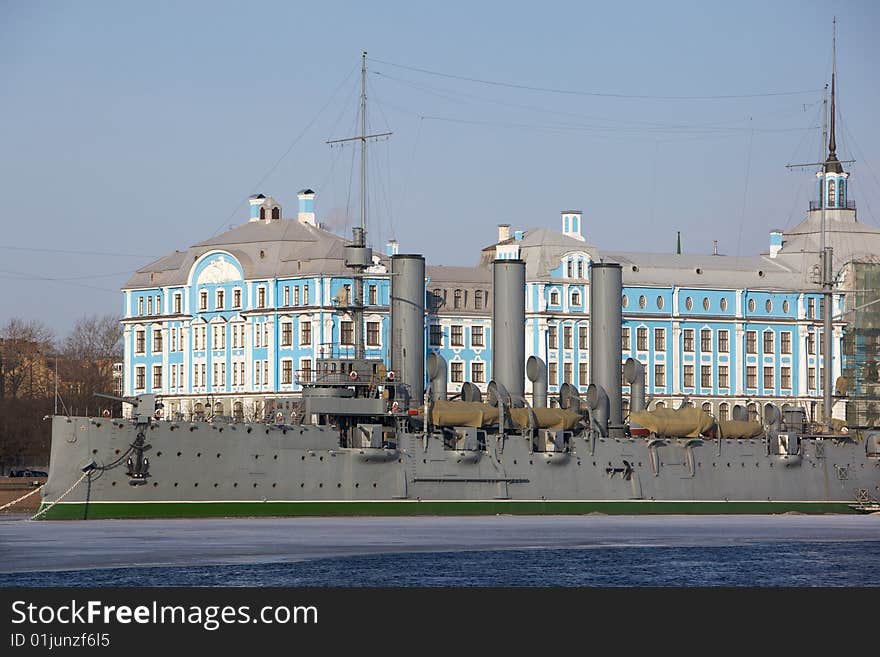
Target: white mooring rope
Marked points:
26	495
63	495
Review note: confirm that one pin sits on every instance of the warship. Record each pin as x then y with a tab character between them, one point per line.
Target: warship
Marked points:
374	438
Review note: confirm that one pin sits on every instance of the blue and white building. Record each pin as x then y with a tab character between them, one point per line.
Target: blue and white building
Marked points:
233	323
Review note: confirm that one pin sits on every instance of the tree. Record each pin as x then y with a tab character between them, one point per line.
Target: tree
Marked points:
91	349
24	345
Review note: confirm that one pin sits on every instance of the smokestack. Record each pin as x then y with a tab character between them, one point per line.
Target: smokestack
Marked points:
408	323
536	370
606	289
634	375
306	214
508	326
437	374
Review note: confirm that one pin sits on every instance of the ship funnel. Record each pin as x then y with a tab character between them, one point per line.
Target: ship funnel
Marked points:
437	374
740	412
606	288
508	327
408	323
598	403
634	375
536	370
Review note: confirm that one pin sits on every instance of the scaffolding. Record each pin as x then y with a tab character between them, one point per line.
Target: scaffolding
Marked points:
861	346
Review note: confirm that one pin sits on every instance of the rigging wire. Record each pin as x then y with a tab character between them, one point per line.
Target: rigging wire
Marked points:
574	92
742	217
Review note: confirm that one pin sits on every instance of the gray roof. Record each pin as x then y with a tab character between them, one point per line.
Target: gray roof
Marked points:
288	248
541	248
459	275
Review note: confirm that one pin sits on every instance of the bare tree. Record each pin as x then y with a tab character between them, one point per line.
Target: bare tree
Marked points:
91	349
24	345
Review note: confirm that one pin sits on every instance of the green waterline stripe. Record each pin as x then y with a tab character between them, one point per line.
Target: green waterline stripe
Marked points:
106	510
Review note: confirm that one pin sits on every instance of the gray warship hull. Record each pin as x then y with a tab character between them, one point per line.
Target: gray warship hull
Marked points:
208	469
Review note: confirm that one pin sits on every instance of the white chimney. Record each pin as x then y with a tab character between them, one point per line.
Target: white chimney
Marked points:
306	213
503	232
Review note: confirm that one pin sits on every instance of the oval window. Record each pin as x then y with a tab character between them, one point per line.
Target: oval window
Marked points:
705	303
723	304
659	302
768	306
689	303
785	306
642	301
625	301
751	305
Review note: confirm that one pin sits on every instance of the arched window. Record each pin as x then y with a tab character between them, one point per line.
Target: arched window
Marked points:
568	269
580	268
554	298
831	193
723	410
456	299
624	407
218	408
707	407
660	404
262	214
753	412
575	298
238	410
276	213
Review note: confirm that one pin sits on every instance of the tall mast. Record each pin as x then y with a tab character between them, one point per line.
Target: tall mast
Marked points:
364	143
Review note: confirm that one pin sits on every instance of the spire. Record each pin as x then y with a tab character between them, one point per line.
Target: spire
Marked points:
832	165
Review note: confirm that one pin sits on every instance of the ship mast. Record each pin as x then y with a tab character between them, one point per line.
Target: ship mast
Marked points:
358	256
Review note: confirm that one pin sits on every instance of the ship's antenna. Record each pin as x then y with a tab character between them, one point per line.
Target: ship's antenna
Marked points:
357	255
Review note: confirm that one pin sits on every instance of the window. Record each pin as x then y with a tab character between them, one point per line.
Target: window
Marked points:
723	376
149	305
723	411
642	301
583	373
305	332
286	334
140	341
257	334
580	268
140	305
286	371
456	335
286	294
373	334
215	381
753	412
811	378
476	336
811	308
659	339
768	342
261	297
723	341
257	368
569	269
688	376
566	372
624	301
203	300
785	378
785	306
831	193
706	376
236	298
689	303
435	335
305	369
157	340
583	338
723	304
235	374
157	377
346	333
221	342
751	342
306	294
688	340
552	340
705	340
751	305
554	298
203	367
456	299
575	298
139	377
642	338
178	301
707	407
768	306
457	371
659	303
566	337
768	377
706	303
785	342
173	339
296	296
373	295
478	299
477	372
221	298
625	338
751	376
552	374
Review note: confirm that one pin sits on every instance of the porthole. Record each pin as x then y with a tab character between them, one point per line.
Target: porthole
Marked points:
357	485
198	455
723	304
698	270
321	485
338	485
768	306
761	273
751	305
179	453
303	457
302	485
175	484
158	453
255	484
155	483
274	484
218	455
94	451
235	485
642	301
215	485
196	485
113	483
374	484
320	458
706	303
635	268
275	458
689	303
659	303
117	451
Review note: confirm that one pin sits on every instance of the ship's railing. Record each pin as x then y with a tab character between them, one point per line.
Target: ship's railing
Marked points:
317	377
846	205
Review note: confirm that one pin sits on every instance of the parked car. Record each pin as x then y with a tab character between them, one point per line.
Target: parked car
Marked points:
28	473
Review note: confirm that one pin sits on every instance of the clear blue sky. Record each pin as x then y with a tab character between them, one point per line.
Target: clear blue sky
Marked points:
139	128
